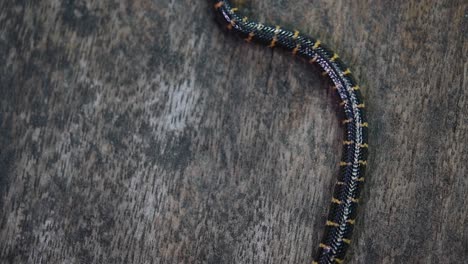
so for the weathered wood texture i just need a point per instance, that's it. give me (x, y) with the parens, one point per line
(139, 132)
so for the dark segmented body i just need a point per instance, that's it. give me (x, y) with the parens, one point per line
(340, 223)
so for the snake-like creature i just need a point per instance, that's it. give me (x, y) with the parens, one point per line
(341, 219)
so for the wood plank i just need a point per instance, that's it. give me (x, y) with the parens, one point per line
(139, 132)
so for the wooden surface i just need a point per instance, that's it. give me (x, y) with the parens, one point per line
(139, 132)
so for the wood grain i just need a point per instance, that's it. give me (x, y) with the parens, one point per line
(139, 132)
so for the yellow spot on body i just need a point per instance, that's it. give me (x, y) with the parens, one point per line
(347, 241)
(316, 45)
(351, 221)
(314, 59)
(345, 163)
(323, 246)
(335, 56)
(277, 30)
(361, 179)
(244, 19)
(355, 88)
(331, 223)
(354, 200)
(361, 106)
(365, 124)
(273, 43)
(343, 102)
(315, 262)
(363, 162)
(365, 145)
(347, 71)
(339, 261)
(324, 73)
(231, 25)
(235, 9)
(296, 49)
(250, 37)
(296, 34)
(336, 201)
(346, 142)
(340, 183)
(346, 121)
(219, 4)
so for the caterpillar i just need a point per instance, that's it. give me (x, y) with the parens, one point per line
(342, 213)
